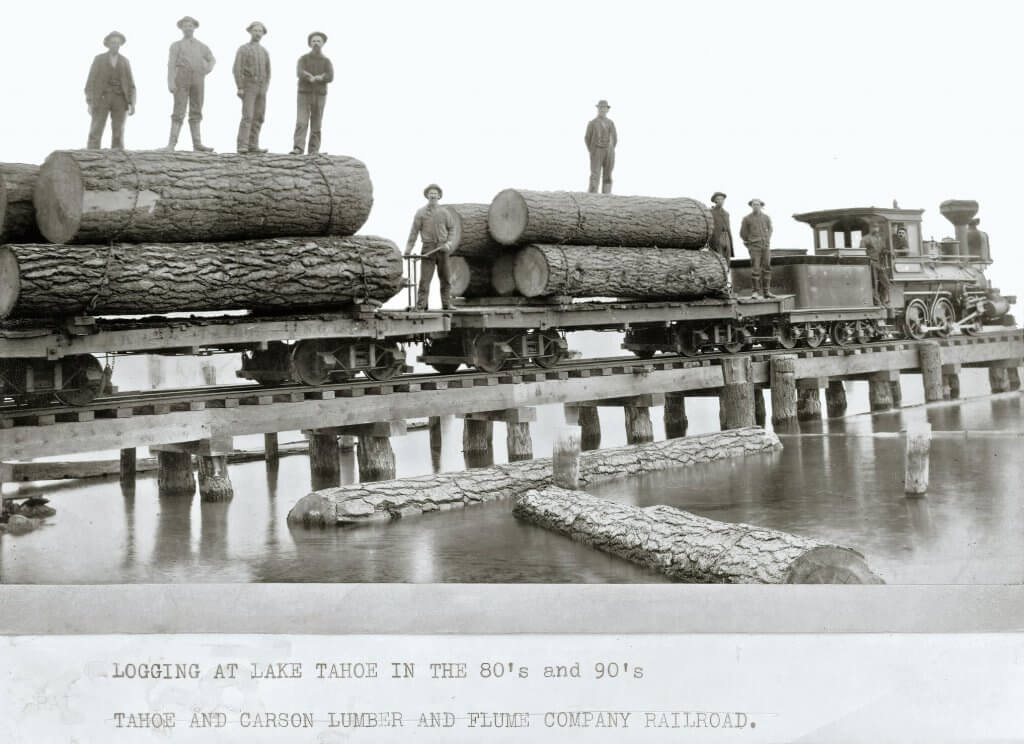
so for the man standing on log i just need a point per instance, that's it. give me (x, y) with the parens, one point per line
(756, 234)
(721, 238)
(315, 72)
(433, 223)
(188, 64)
(601, 139)
(252, 77)
(110, 91)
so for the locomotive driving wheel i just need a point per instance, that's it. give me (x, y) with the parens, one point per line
(943, 317)
(83, 380)
(915, 319)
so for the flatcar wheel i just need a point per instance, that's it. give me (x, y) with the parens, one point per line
(307, 365)
(550, 347)
(388, 361)
(642, 353)
(814, 334)
(686, 342)
(848, 332)
(785, 337)
(83, 380)
(943, 317)
(915, 319)
(487, 353)
(445, 369)
(733, 347)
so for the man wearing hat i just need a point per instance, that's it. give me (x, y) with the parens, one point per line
(188, 64)
(315, 72)
(601, 139)
(110, 91)
(756, 234)
(977, 240)
(252, 77)
(876, 247)
(721, 236)
(433, 224)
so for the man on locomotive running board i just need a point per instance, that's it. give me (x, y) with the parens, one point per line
(315, 72)
(721, 237)
(188, 64)
(877, 249)
(756, 234)
(109, 91)
(433, 224)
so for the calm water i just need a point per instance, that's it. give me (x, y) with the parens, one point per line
(845, 488)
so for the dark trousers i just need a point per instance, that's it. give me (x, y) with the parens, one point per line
(188, 94)
(309, 117)
(760, 266)
(602, 161)
(880, 280)
(114, 105)
(254, 107)
(427, 274)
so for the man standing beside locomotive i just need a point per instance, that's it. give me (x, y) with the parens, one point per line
(315, 72)
(188, 64)
(109, 91)
(756, 234)
(721, 236)
(877, 249)
(601, 140)
(252, 77)
(433, 224)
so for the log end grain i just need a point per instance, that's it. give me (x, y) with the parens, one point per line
(58, 198)
(503, 280)
(530, 272)
(831, 564)
(10, 281)
(508, 217)
(459, 275)
(455, 234)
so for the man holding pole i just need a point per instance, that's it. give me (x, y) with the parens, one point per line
(433, 224)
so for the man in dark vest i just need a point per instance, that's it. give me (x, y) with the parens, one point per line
(721, 235)
(252, 77)
(880, 258)
(188, 64)
(315, 72)
(601, 139)
(110, 91)
(433, 224)
(756, 234)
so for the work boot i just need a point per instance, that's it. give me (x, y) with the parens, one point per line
(172, 140)
(197, 140)
(606, 188)
(254, 148)
(767, 290)
(296, 151)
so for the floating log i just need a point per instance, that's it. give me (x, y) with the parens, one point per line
(690, 548)
(472, 239)
(470, 277)
(359, 503)
(590, 271)
(516, 217)
(268, 275)
(98, 196)
(17, 215)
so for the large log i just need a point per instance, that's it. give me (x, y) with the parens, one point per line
(99, 196)
(470, 277)
(516, 217)
(690, 548)
(591, 271)
(17, 215)
(364, 502)
(269, 275)
(472, 238)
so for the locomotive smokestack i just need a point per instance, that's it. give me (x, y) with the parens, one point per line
(959, 212)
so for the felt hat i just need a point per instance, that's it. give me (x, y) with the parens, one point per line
(321, 34)
(755, 199)
(433, 186)
(188, 18)
(604, 103)
(718, 193)
(257, 23)
(111, 35)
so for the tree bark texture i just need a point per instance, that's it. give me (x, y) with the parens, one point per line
(639, 428)
(472, 238)
(648, 273)
(675, 415)
(98, 196)
(362, 502)
(470, 277)
(281, 274)
(174, 474)
(690, 548)
(590, 428)
(324, 460)
(879, 395)
(478, 443)
(808, 407)
(998, 380)
(17, 214)
(516, 217)
(518, 442)
(565, 458)
(835, 399)
(930, 358)
(376, 458)
(916, 458)
(214, 480)
(783, 382)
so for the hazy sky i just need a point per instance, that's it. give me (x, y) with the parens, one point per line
(806, 105)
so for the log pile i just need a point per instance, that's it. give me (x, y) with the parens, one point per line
(17, 215)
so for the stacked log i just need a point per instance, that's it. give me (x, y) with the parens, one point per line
(470, 277)
(475, 254)
(17, 215)
(472, 239)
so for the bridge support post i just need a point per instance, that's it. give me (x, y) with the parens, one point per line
(434, 431)
(128, 472)
(517, 425)
(783, 384)
(736, 399)
(637, 412)
(835, 399)
(759, 410)
(174, 475)
(587, 418)
(919, 439)
(675, 415)
(214, 481)
(565, 459)
(808, 406)
(930, 359)
(896, 391)
(639, 429)
(998, 379)
(175, 468)
(1013, 377)
(880, 391)
(208, 371)
(375, 457)
(478, 443)
(271, 452)
(324, 462)
(950, 381)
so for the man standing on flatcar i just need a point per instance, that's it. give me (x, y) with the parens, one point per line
(721, 236)
(756, 234)
(433, 224)
(879, 256)
(601, 140)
